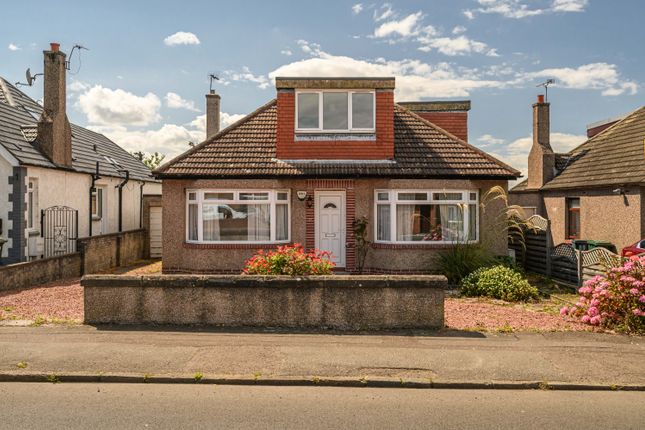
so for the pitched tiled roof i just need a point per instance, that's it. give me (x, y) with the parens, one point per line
(248, 149)
(18, 132)
(614, 156)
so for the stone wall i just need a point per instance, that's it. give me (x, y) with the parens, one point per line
(25, 275)
(112, 250)
(338, 302)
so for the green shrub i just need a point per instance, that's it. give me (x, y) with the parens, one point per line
(461, 259)
(498, 282)
(291, 260)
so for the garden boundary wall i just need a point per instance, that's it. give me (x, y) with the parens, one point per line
(337, 301)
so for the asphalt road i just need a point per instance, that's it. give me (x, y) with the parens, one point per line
(123, 406)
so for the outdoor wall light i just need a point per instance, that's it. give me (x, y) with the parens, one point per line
(301, 195)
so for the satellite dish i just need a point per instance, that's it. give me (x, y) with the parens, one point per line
(31, 78)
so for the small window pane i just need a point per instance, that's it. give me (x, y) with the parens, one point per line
(362, 110)
(218, 196)
(192, 222)
(335, 111)
(472, 222)
(383, 222)
(413, 196)
(247, 222)
(283, 196)
(308, 110)
(425, 222)
(254, 196)
(192, 196)
(447, 196)
(383, 196)
(473, 197)
(282, 222)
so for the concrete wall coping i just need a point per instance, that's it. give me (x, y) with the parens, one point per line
(115, 234)
(246, 281)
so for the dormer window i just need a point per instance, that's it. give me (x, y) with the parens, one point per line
(335, 111)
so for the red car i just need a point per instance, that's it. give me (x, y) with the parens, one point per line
(635, 249)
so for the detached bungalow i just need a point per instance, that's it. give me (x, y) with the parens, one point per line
(594, 192)
(304, 166)
(59, 181)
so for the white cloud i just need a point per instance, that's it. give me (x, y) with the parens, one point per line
(181, 38)
(594, 76)
(13, 47)
(287, 52)
(459, 29)
(174, 101)
(78, 86)
(169, 139)
(460, 45)
(404, 27)
(569, 5)
(246, 76)
(105, 106)
(488, 140)
(357, 8)
(384, 12)
(517, 9)
(415, 79)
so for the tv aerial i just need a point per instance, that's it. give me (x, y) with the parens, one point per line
(30, 79)
(212, 77)
(68, 63)
(546, 84)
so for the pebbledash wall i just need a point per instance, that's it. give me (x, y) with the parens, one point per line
(337, 302)
(95, 254)
(182, 257)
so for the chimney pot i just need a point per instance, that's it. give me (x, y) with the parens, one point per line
(54, 46)
(540, 98)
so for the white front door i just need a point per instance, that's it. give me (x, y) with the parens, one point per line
(330, 224)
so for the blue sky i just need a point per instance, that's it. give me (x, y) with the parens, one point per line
(143, 80)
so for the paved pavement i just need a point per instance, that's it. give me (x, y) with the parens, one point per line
(159, 406)
(445, 357)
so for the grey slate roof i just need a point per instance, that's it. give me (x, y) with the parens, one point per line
(247, 149)
(18, 121)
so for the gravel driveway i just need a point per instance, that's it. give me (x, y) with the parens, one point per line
(62, 302)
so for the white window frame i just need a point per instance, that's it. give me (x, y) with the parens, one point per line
(32, 204)
(350, 128)
(393, 200)
(97, 193)
(272, 201)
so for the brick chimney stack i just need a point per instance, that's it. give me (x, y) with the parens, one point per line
(212, 113)
(541, 157)
(54, 131)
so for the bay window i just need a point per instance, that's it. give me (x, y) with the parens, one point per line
(335, 111)
(426, 216)
(214, 216)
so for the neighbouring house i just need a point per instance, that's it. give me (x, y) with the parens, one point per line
(59, 181)
(326, 151)
(597, 190)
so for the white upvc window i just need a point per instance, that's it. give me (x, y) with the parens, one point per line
(97, 203)
(335, 111)
(426, 216)
(238, 216)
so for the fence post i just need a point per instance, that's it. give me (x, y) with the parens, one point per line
(580, 267)
(549, 245)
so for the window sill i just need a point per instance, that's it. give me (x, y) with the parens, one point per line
(191, 245)
(326, 136)
(422, 245)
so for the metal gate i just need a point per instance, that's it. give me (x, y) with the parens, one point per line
(59, 229)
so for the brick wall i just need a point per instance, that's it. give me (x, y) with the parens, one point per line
(453, 122)
(288, 148)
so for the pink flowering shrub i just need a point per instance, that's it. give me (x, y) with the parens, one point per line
(291, 260)
(615, 300)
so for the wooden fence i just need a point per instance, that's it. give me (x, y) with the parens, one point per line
(562, 262)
